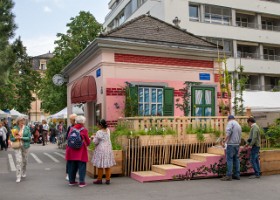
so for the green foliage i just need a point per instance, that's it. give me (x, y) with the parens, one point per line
(239, 83)
(245, 128)
(185, 106)
(131, 101)
(199, 131)
(82, 30)
(7, 28)
(22, 83)
(273, 134)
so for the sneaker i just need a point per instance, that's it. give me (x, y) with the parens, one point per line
(236, 177)
(73, 183)
(226, 178)
(254, 176)
(67, 177)
(18, 180)
(107, 182)
(81, 185)
(23, 175)
(97, 182)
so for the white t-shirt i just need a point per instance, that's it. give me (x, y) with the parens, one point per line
(3, 132)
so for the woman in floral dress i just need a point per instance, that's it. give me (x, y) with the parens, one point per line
(103, 157)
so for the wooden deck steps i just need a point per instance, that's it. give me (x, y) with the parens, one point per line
(179, 166)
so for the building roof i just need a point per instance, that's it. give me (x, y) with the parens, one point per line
(46, 55)
(148, 28)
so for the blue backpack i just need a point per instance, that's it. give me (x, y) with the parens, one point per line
(75, 140)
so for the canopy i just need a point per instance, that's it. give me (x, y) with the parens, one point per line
(262, 101)
(3, 114)
(60, 115)
(63, 113)
(15, 114)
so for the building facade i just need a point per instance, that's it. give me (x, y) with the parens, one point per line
(39, 63)
(140, 69)
(248, 30)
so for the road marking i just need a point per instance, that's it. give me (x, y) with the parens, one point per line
(51, 157)
(59, 154)
(12, 163)
(36, 158)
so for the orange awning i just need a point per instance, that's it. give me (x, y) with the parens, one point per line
(84, 90)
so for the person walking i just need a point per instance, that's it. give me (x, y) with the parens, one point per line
(45, 132)
(72, 118)
(232, 141)
(254, 142)
(36, 133)
(3, 135)
(5, 123)
(77, 158)
(21, 133)
(103, 157)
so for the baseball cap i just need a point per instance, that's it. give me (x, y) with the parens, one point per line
(230, 117)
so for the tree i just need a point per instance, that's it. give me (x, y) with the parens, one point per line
(7, 28)
(82, 30)
(22, 81)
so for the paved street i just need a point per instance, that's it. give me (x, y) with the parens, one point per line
(46, 180)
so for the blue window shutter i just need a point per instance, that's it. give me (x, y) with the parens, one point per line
(168, 102)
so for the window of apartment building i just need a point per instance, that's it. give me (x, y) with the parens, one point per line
(267, 25)
(194, 12)
(242, 21)
(119, 19)
(140, 2)
(217, 15)
(226, 44)
(269, 54)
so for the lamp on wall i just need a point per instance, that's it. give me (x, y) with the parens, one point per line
(117, 106)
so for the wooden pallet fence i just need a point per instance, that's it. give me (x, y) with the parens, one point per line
(141, 158)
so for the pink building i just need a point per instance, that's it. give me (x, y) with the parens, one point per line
(139, 69)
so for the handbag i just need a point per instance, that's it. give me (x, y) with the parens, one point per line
(16, 144)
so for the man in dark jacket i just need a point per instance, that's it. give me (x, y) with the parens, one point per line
(8, 132)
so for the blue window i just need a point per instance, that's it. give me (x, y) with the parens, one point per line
(150, 101)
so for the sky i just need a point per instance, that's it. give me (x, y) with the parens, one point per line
(39, 21)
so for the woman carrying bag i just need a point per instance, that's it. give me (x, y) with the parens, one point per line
(20, 138)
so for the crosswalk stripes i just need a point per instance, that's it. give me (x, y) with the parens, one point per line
(51, 157)
(59, 154)
(12, 166)
(36, 158)
(12, 163)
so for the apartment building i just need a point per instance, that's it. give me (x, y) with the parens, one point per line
(39, 63)
(249, 31)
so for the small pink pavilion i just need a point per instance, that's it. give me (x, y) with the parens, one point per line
(152, 60)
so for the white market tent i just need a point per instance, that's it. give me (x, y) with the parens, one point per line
(63, 113)
(3, 114)
(15, 114)
(262, 101)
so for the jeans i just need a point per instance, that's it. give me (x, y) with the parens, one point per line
(232, 159)
(254, 158)
(2, 143)
(73, 167)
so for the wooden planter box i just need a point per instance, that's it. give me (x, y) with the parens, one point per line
(270, 162)
(117, 169)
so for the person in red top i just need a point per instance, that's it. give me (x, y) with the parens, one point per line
(78, 158)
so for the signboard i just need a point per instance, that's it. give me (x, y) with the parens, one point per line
(204, 76)
(98, 72)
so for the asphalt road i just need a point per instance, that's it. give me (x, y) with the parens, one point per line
(46, 181)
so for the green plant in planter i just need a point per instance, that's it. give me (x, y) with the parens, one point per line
(273, 134)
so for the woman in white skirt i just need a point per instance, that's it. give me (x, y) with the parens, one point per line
(103, 157)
